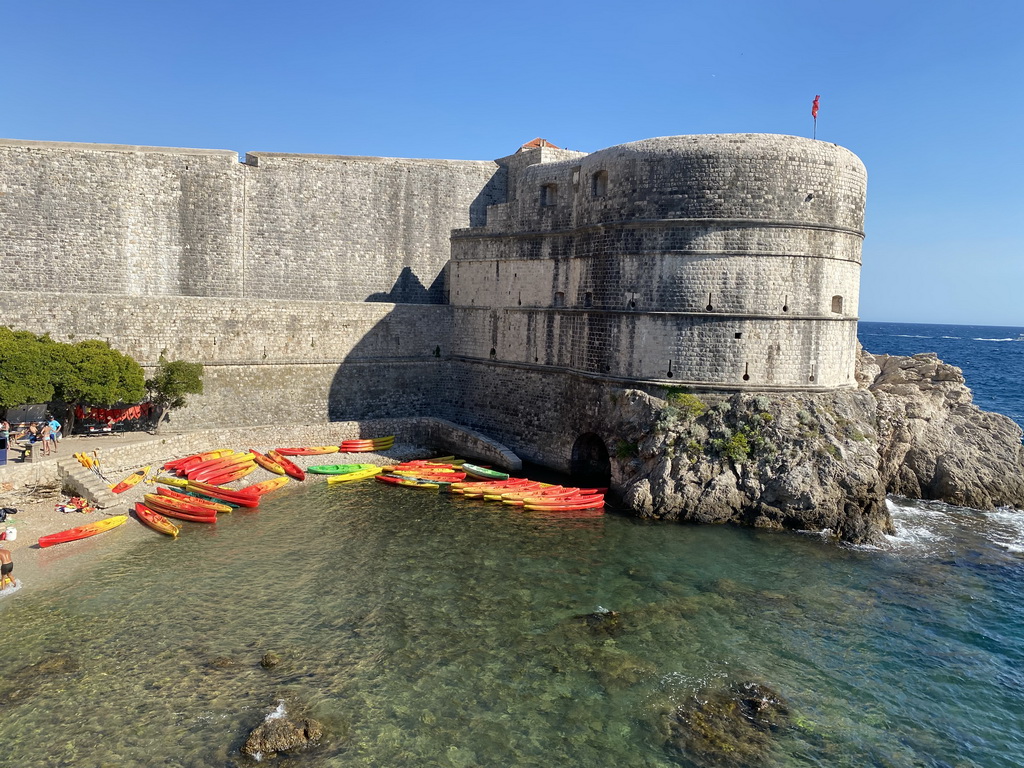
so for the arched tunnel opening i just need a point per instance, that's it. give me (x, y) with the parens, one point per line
(590, 465)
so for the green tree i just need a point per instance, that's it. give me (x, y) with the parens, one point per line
(174, 379)
(25, 368)
(92, 373)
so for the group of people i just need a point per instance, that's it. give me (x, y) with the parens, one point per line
(47, 432)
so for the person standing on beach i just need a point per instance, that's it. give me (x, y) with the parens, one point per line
(6, 570)
(55, 432)
(44, 434)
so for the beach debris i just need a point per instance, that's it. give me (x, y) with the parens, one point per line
(730, 726)
(75, 504)
(281, 732)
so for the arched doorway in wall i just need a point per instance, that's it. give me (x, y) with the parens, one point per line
(591, 466)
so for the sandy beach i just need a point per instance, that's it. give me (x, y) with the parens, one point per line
(39, 508)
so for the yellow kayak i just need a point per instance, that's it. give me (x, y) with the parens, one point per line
(180, 482)
(362, 474)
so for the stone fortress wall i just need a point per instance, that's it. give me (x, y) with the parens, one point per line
(507, 296)
(729, 261)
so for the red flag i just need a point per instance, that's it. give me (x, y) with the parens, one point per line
(814, 108)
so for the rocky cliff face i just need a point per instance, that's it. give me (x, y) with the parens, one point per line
(818, 461)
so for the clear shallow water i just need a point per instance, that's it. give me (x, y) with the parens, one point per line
(431, 630)
(434, 631)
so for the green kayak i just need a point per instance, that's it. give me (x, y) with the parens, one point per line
(487, 474)
(338, 469)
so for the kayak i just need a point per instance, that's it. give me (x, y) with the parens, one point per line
(597, 503)
(129, 482)
(265, 486)
(182, 465)
(155, 520)
(266, 462)
(362, 474)
(178, 514)
(290, 467)
(160, 503)
(228, 475)
(488, 474)
(337, 469)
(308, 451)
(180, 482)
(365, 446)
(82, 531)
(213, 506)
(202, 472)
(238, 498)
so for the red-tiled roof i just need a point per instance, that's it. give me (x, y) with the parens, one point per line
(538, 142)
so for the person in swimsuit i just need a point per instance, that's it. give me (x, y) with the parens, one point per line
(6, 569)
(44, 435)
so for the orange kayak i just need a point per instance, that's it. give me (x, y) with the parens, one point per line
(161, 503)
(290, 467)
(179, 514)
(82, 531)
(266, 462)
(265, 486)
(155, 520)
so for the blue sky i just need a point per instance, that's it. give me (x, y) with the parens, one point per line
(929, 95)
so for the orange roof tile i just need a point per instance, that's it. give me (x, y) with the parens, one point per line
(538, 142)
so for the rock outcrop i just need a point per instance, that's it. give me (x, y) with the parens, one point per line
(817, 461)
(282, 733)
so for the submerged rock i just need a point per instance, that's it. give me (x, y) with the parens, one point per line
(730, 726)
(281, 732)
(817, 461)
(602, 622)
(270, 660)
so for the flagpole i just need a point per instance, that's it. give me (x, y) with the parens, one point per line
(814, 135)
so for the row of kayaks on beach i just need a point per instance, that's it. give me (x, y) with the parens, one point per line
(195, 490)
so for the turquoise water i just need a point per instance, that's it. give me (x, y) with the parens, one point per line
(425, 629)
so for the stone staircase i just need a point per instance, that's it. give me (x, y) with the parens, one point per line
(85, 483)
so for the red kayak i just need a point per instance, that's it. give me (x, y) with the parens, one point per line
(82, 531)
(229, 475)
(290, 467)
(238, 498)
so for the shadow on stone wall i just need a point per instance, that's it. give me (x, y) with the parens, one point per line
(397, 368)
(495, 191)
(409, 289)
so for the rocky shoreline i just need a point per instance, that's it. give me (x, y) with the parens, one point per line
(819, 461)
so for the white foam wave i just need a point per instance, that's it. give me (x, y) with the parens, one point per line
(278, 713)
(997, 339)
(11, 590)
(950, 337)
(910, 336)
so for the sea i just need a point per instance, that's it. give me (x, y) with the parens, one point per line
(426, 629)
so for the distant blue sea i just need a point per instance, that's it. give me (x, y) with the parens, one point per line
(991, 356)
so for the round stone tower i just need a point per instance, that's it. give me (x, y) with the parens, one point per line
(724, 261)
